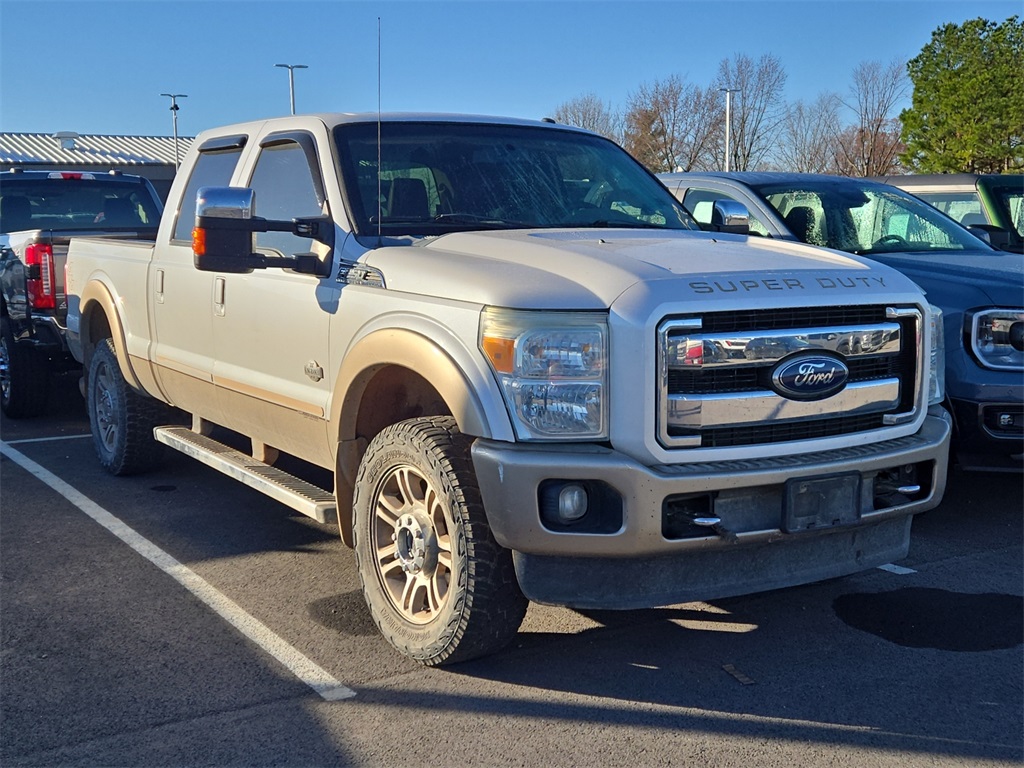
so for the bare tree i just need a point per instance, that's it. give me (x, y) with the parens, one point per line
(670, 125)
(588, 111)
(757, 109)
(808, 136)
(872, 146)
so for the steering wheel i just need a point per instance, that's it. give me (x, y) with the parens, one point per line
(890, 240)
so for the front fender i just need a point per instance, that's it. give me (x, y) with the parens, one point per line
(406, 349)
(375, 352)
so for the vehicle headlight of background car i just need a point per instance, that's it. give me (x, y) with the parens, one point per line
(997, 338)
(553, 371)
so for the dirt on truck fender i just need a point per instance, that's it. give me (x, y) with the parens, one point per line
(527, 372)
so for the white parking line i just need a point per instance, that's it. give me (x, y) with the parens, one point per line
(303, 668)
(899, 570)
(47, 439)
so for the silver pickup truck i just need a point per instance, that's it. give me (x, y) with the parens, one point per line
(527, 371)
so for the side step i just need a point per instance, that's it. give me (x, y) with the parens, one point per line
(301, 496)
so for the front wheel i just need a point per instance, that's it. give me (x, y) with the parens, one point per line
(122, 419)
(439, 587)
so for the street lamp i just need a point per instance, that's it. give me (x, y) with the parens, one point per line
(728, 122)
(174, 119)
(291, 79)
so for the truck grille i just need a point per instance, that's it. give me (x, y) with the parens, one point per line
(720, 374)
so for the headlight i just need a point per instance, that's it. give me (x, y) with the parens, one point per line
(937, 359)
(553, 371)
(997, 338)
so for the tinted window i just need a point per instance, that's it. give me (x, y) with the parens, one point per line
(1011, 200)
(285, 189)
(78, 204)
(212, 169)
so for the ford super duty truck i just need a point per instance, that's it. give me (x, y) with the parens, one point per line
(529, 374)
(39, 213)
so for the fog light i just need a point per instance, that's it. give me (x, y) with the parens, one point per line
(572, 503)
(1005, 420)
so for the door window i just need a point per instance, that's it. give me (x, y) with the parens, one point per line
(212, 169)
(701, 203)
(285, 188)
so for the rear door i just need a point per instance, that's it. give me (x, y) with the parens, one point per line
(182, 297)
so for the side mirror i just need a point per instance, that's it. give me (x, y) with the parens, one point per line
(223, 238)
(730, 216)
(995, 236)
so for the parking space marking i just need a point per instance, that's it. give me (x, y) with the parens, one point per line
(298, 664)
(47, 439)
(899, 570)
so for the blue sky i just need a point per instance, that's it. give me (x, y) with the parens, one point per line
(100, 67)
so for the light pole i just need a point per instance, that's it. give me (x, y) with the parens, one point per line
(174, 119)
(291, 79)
(728, 122)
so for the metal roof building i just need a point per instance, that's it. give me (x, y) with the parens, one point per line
(149, 156)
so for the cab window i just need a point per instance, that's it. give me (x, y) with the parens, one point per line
(212, 169)
(285, 188)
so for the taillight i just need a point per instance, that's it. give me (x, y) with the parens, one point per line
(70, 175)
(42, 290)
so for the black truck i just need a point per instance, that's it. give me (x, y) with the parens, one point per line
(39, 212)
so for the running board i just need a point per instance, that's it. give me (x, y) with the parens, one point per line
(298, 494)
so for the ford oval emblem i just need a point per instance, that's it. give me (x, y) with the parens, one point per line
(809, 377)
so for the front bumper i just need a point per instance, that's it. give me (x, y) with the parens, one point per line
(990, 435)
(749, 552)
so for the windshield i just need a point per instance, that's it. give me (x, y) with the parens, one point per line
(437, 178)
(863, 217)
(75, 204)
(1010, 198)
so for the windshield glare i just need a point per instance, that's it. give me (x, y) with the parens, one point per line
(865, 218)
(437, 178)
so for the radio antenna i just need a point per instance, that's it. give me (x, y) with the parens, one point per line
(380, 213)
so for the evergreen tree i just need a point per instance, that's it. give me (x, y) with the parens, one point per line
(967, 110)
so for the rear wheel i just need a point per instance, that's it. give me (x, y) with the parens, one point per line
(438, 585)
(122, 419)
(24, 376)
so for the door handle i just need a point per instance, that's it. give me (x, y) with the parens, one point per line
(218, 296)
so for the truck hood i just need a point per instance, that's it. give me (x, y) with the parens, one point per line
(589, 269)
(995, 275)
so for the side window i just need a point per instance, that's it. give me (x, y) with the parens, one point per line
(212, 169)
(285, 189)
(701, 202)
(965, 207)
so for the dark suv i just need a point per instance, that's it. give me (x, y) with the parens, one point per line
(979, 289)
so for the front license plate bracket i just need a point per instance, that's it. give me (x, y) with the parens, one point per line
(821, 502)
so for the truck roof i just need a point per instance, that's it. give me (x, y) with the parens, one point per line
(332, 119)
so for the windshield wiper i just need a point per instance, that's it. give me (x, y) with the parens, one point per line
(617, 224)
(487, 222)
